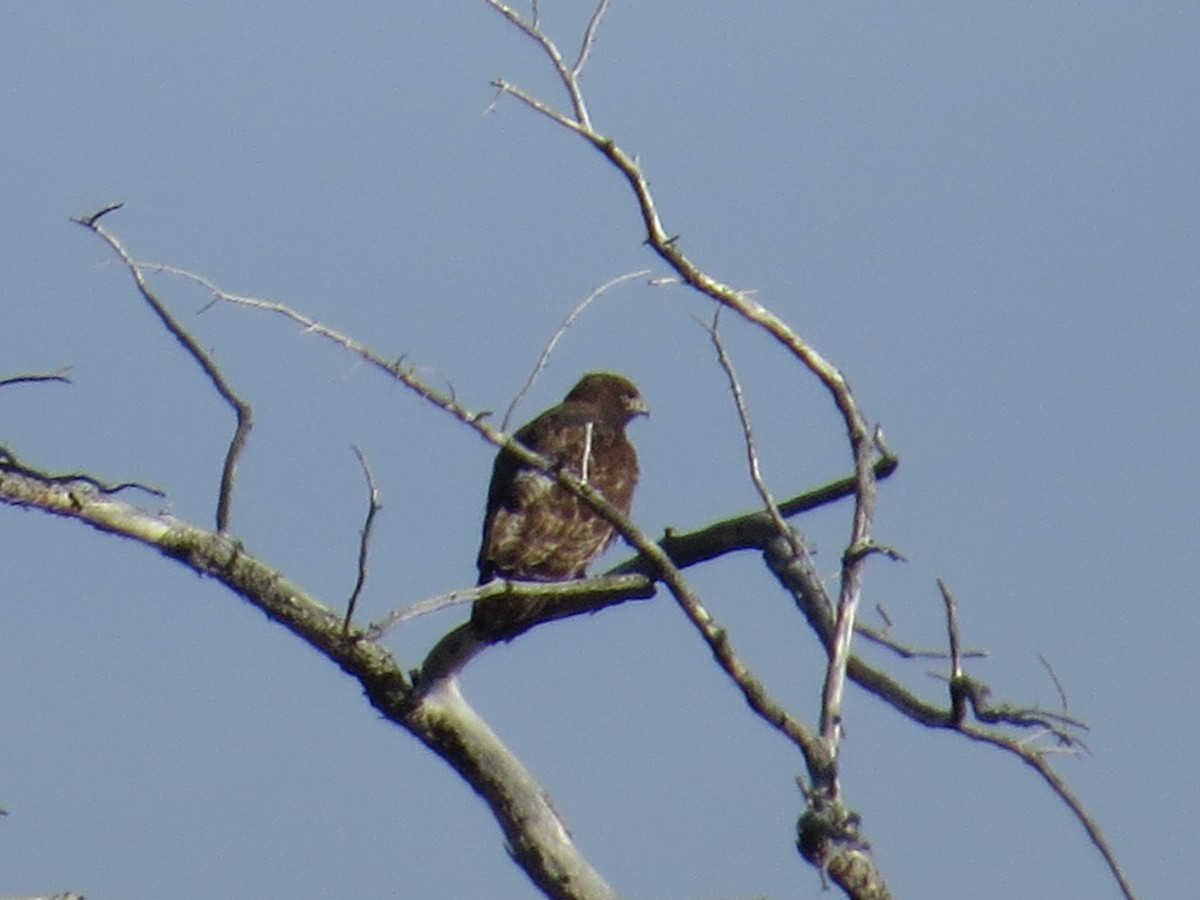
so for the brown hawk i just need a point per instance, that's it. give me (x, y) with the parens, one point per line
(537, 530)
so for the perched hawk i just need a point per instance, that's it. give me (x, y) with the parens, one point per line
(534, 528)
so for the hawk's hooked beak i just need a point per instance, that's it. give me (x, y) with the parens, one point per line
(637, 406)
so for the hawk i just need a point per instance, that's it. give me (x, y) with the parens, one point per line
(534, 528)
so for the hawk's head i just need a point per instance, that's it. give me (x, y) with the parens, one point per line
(615, 396)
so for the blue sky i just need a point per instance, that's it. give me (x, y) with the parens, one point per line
(985, 214)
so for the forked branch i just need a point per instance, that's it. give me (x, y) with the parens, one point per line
(241, 408)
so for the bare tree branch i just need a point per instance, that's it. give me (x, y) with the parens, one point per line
(589, 39)
(364, 544)
(1058, 685)
(397, 617)
(31, 377)
(958, 698)
(440, 719)
(877, 636)
(8, 460)
(797, 574)
(1036, 760)
(240, 408)
(747, 531)
(735, 388)
(571, 598)
(568, 76)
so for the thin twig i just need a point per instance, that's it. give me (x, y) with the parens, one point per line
(29, 377)
(1058, 686)
(1061, 725)
(739, 399)
(1036, 760)
(568, 79)
(504, 87)
(559, 332)
(8, 460)
(569, 598)
(240, 408)
(364, 544)
(958, 695)
(397, 617)
(877, 636)
(589, 39)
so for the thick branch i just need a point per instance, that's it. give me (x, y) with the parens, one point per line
(442, 721)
